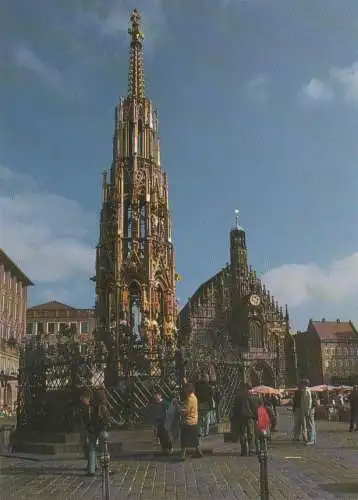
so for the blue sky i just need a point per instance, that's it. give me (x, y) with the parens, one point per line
(258, 109)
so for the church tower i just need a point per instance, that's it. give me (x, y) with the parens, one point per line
(238, 259)
(135, 282)
(239, 286)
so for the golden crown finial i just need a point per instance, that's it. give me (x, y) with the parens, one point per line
(134, 31)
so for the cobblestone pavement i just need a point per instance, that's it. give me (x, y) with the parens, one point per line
(327, 471)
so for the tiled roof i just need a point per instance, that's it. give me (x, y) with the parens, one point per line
(52, 305)
(334, 331)
(15, 270)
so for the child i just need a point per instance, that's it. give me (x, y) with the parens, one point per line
(159, 414)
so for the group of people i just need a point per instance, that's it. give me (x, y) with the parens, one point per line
(189, 414)
(305, 403)
(250, 415)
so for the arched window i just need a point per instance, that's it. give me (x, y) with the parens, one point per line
(253, 332)
(140, 137)
(135, 313)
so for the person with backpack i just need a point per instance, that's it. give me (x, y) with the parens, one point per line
(244, 416)
(271, 410)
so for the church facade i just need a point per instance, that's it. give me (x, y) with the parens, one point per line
(233, 325)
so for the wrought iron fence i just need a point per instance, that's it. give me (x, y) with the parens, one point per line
(225, 371)
(52, 377)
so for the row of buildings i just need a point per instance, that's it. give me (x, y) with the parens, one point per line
(231, 320)
(18, 322)
(327, 352)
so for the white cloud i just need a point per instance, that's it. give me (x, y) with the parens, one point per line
(299, 284)
(26, 59)
(317, 90)
(340, 82)
(46, 234)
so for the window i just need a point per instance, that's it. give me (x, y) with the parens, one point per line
(63, 328)
(51, 328)
(40, 328)
(84, 327)
(73, 327)
(30, 330)
(142, 222)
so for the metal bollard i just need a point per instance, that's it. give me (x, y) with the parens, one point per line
(105, 460)
(263, 456)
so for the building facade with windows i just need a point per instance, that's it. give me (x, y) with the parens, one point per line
(13, 306)
(50, 319)
(327, 352)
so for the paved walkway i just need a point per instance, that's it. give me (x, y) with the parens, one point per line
(327, 471)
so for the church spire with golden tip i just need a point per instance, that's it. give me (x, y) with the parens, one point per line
(136, 66)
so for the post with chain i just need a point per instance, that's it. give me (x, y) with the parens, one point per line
(263, 457)
(105, 463)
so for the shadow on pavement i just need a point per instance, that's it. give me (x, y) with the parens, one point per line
(341, 488)
(48, 471)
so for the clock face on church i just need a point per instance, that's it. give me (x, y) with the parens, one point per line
(255, 300)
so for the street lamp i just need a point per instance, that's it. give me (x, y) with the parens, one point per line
(262, 457)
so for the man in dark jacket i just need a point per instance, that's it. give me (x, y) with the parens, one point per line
(353, 403)
(205, 396)
(158, 414)
(243, 417)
